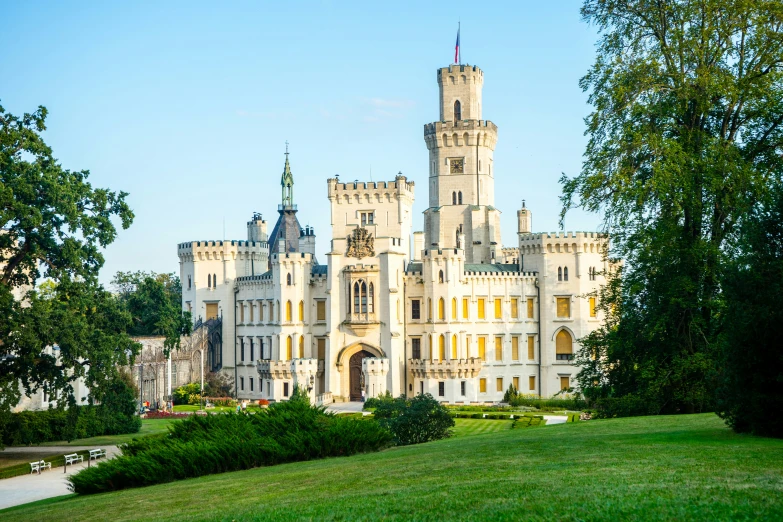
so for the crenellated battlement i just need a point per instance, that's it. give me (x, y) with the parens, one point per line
(372, 191)
(562, 242)
(211, 250)
(287, 258)
(454, 73)
(438, 127)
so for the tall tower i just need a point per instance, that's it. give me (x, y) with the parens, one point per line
(462, 183)
(287, 231)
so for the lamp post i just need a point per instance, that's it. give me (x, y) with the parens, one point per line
(311, 387)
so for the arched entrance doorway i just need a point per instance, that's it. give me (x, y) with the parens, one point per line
(355, 373)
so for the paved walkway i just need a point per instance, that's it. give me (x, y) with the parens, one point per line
(346, 407)
(555, 419)
(50, 483)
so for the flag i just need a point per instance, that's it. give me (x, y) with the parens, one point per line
(456, 49)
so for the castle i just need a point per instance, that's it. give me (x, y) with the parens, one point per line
(456, 315)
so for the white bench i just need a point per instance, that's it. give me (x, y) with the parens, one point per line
(73, 458)
(39, 466)
(97, 453)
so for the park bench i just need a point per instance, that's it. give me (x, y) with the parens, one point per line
(39, 466)
(97, 453)
(73, 458)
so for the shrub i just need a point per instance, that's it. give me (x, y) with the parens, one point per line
(416, 420)
(572, 403)
(182, 394)
(373, 402)
(200, 445)
(627, 406)
(263, 402)
(221, 401)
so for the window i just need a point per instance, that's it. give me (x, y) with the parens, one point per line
(212, 311)
(515, 308)
(271, 311)
(189, 283)
(442, 348)
(242, 350)
(252, 351)
(301, 347)
(301, 311)
(592, 306)
(482, 352)
(516, 383)
(465, 307)
(360, 300)
(173, 374)
(368, 218)
(454, 346)
(440, 276)
(453, 198)
(483, 385)
(242, 383)
(462, 388)
(531, 347)
(251, 384)
(241, 312)
(563, 307)
(564, 346)
(565, 274)
(209, 280)
(560, 273)
(459, 202)
(214, 280)
(441, 389)
(457, 111)
(288, 311)
(321, 349)
(441, 309)
(289, 348)
(467, 347)
(565, 383)
(415, 348)
(429, 309)
(530, 308)
(531, 382)
(371, 303)
(453, 308)
(288, 279)
(515, 348)
(481, 309)
(320, 310)
(251, 311)
(415, 309)
(285, 389)
(499, 384)
(498, 348)
(429, 346)
(498, 309)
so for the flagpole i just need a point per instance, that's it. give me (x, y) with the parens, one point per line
(459, 49)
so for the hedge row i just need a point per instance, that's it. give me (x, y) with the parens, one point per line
(527, 422)
(201, 445)
(24, 469)
(78, 422)
(549, 404)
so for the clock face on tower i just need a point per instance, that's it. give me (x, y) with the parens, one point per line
(457, 166)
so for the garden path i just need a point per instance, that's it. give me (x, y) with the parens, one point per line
(555, 419)
(51, 483)
(346, 407)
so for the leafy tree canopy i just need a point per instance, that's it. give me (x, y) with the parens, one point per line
(685, 138)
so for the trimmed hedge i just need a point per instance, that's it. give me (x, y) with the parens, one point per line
(78, 422)
(202, 445)
(549, 404)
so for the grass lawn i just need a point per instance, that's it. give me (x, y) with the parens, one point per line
(148, 427)
(664, 468)
(467, 427)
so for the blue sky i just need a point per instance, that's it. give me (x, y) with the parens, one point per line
(187, 105)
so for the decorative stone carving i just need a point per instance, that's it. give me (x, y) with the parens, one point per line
(361, 243)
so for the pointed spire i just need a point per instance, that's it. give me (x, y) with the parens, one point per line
(287, 181)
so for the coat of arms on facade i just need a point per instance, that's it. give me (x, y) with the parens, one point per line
(361, 243)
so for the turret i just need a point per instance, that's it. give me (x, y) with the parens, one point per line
(256, 228)
(525, 220)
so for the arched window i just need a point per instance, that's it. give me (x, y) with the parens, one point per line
(288, 311)
(356, 297)
(429, 309)
(459, 197)
(454, 346)
(457, 241)
(564, 346)
(453, 198)
(454, 308)
(560, 273)
(441, 309)
(288, 279)
(209, 280)
(301, 311)
(429, 346)
(440, 276)
(278, 311)
(371, 299)
(364, 297)
(565, 274)
(214, 280)
(457, 111)
(442, 347)
(301, 346)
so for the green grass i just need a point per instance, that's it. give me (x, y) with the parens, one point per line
(148, 427)
(468, 427)
(644, 468)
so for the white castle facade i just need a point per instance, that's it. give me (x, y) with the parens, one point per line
(456, 315)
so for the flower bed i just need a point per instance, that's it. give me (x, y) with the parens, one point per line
(165, 415)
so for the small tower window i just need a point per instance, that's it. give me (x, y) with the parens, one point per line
(209, 280)
(459, 197)
(560, 273)
(189, 283)
(565, 274)
(440, 276)
(288, 279)
(214, 280)
(453, 198)
(457, 111)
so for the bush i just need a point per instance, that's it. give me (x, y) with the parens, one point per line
(182, 394)
(200, 445)
(627, 406)
(416, 420)
(221, 401)
(575, 403)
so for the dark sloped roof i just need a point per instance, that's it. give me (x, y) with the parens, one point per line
(491, 267)
(320, 269)
(413, 267)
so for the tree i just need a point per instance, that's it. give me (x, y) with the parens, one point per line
(416, 420)
(154, 302)
(750, 360)
(684, 139)
(53, 224)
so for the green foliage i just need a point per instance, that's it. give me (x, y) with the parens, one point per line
(155, 304)
(200, 445)
(510, 394)
(373, 402)
(183, 393)
(54, 225)
(24, 469)
(416, 420)
(684, 140)
(574, 403)
(750, 359)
